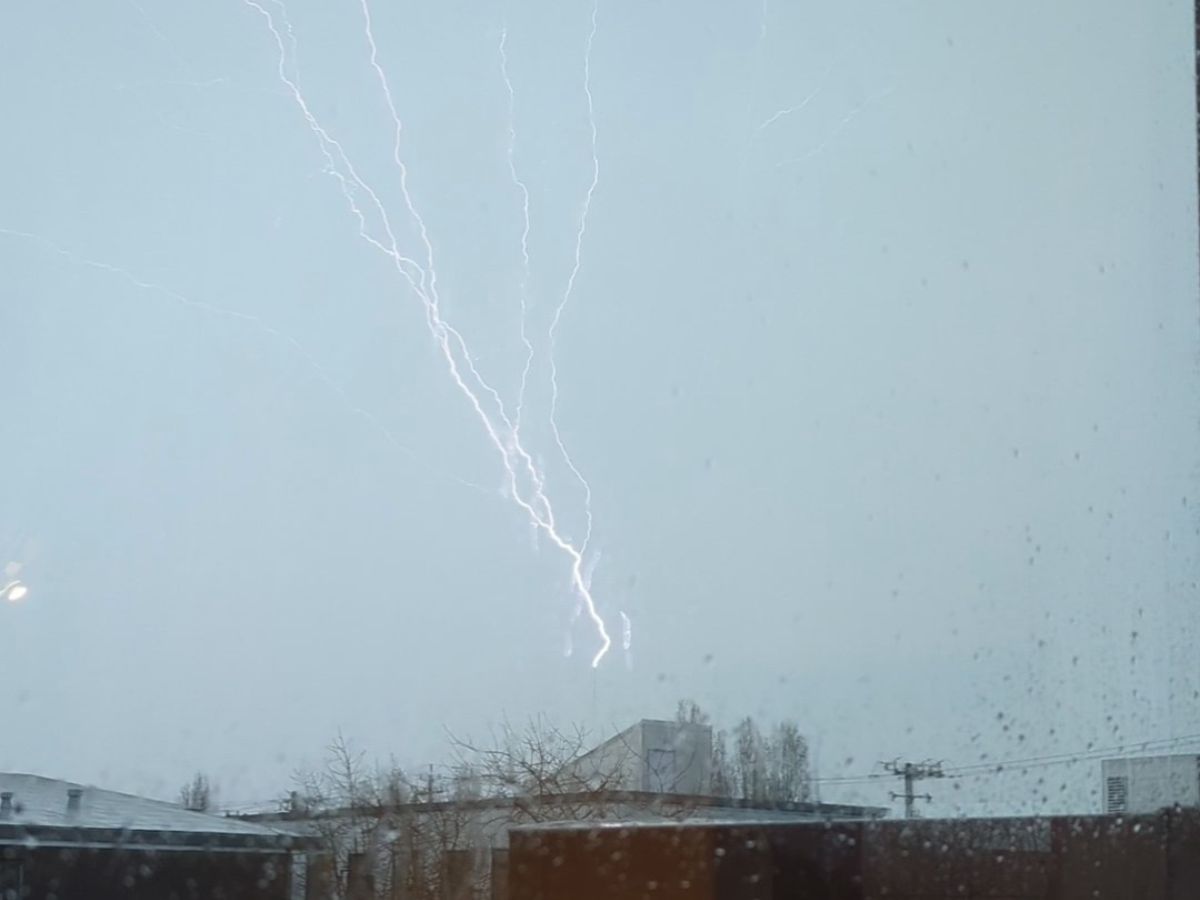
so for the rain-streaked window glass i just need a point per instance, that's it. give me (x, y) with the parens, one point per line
(517, 449)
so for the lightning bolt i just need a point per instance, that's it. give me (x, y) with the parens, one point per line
(627, 639)
(427, 292)
(566, 297)
(786, 112)
(523, 190)
(528, 493)
(589, 572)
(534, 471)
(252, 321)
(790, 110)
(837, 129)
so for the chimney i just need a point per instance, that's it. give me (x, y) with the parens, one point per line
(73, 796)
(6, 804)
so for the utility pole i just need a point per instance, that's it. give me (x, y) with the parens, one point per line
(912, 773)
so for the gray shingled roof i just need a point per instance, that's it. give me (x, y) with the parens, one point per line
(39, 802)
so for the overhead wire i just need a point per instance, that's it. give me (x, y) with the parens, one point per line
(971, 770)
(1002, 766)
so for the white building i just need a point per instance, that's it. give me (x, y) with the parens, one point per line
(1145, 784)
(654, 756)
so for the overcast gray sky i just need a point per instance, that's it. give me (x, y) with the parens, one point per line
(880, 362)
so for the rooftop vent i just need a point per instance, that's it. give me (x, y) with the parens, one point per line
(6, 804)
(73, 796)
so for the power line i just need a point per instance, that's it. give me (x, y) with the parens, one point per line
(1091, 753)
(970, 770)
(999, 766)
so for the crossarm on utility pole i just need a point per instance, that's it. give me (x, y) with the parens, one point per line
(912, 773)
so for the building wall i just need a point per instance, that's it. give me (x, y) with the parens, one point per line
(1154, 857)
(676, 758)
(652, 755)
(447, 850)
(108, 874)
(1150, 783)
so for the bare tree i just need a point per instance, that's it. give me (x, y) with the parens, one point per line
(429, 837)
(549, 772)
(688, 712)
(764, 768)
(722, 768)
(383, 831)
(198, 794)
(788, 778)
(343, 801)
(750, 761)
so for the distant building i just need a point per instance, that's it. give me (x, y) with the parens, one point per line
(655, 756)
(1145, 784)
(457, 849)
(73, 842)
(652, 772)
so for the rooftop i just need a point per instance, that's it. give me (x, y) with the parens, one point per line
(48, 809)
(697, 806)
